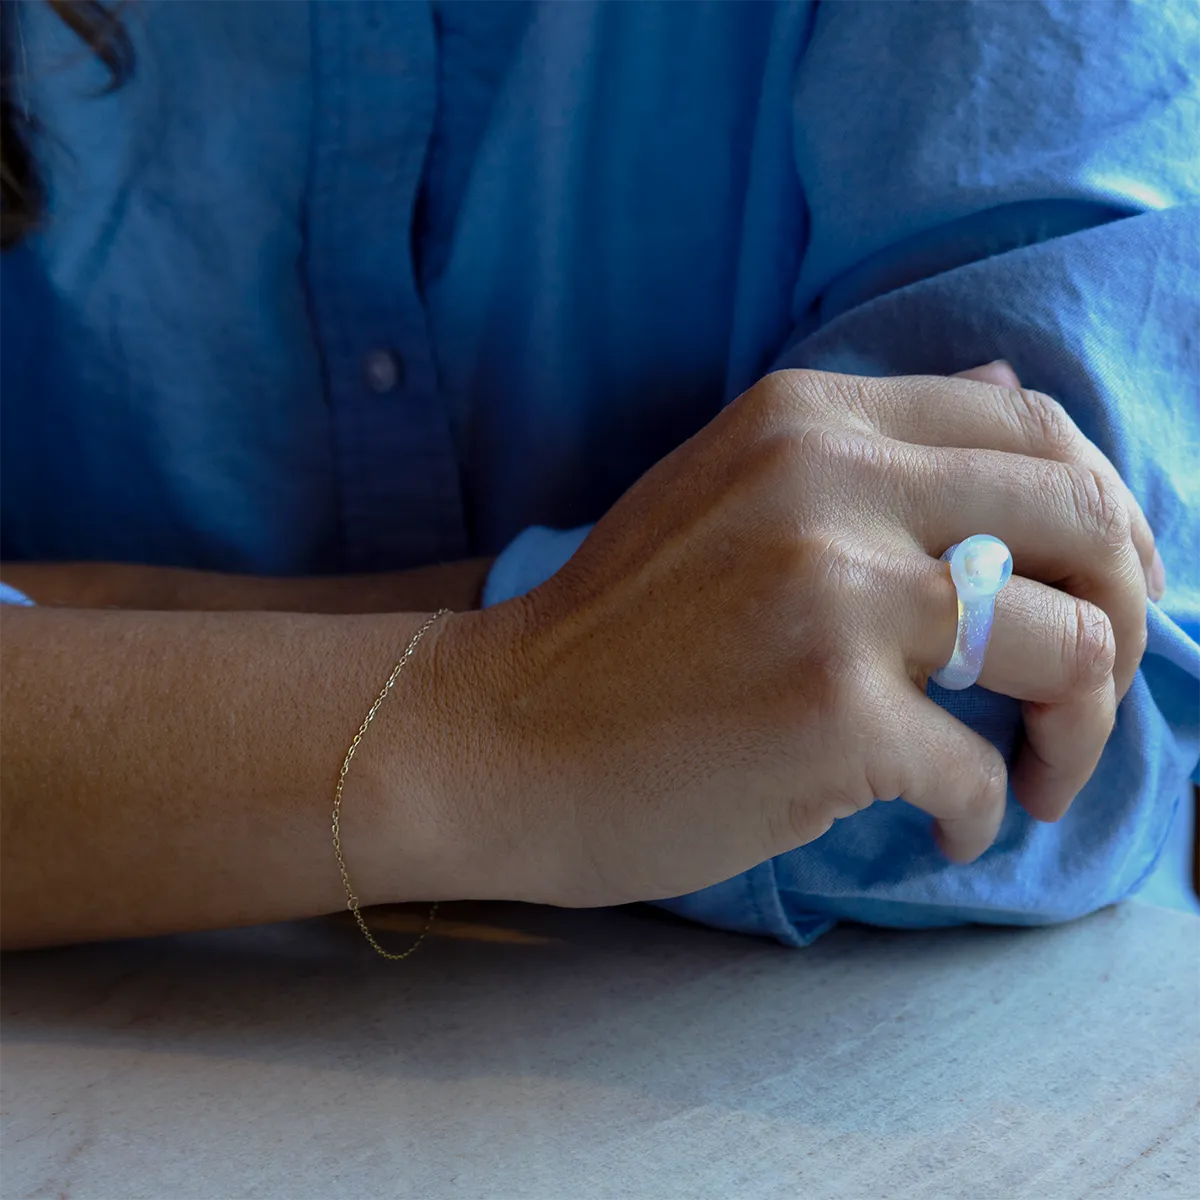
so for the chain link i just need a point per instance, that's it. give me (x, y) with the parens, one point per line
(351, 897)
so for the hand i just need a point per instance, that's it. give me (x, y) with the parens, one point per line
(1001, 374)
(738, 654)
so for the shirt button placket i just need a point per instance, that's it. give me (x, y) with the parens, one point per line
(397, 471)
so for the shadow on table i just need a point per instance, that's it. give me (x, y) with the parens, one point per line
(623, 997)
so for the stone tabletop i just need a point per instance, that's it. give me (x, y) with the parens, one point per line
(554, 1055)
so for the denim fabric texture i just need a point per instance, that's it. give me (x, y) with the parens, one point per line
(341, 287)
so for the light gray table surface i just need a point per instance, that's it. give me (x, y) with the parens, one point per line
(555, 1055)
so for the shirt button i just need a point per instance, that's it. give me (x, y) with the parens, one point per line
(382, 371)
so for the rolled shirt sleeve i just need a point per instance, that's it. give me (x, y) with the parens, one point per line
(10, 595)
(1019, 181)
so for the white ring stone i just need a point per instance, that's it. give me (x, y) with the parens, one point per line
(980, 566)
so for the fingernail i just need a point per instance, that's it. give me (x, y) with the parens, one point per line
(1158, 577)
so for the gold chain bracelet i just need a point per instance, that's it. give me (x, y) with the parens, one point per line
(351, 897)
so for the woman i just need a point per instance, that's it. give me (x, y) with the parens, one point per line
(331, 304)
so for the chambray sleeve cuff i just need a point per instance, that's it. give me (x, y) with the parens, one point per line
(1016, 181)
(529, 560)
(10, 595)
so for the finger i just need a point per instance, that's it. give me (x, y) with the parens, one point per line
(1064, 526)
(945, 769)
(1053, 652)
(998, 373)
(970, 414)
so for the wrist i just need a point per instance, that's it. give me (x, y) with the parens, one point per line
(437, 773)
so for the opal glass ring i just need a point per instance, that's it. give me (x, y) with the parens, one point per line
(980, 566)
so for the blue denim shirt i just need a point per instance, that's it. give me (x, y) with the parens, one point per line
(354, 286)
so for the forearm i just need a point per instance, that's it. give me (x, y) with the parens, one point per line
(171, 771)
(128, 586)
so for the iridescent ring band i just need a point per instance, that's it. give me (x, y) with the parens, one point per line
(980, 566)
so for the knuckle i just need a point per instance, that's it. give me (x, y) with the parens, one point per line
(816, 446)
(788, 382)
(770, 404)
(993, 783)
(1101, 507)
(816, 450)
(1090, 646)
(833, 689)
(1141, 637)
(854, 395)
(833, 561)
(850, 577)
(983, 786)
(825, 697)
(884, 779)
(783, 463)
(795, 392)
(805, 393)
(771, 395)
(805, 820)
(1047, 423)
(824, 575)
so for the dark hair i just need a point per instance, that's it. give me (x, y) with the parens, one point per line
(22, 195)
